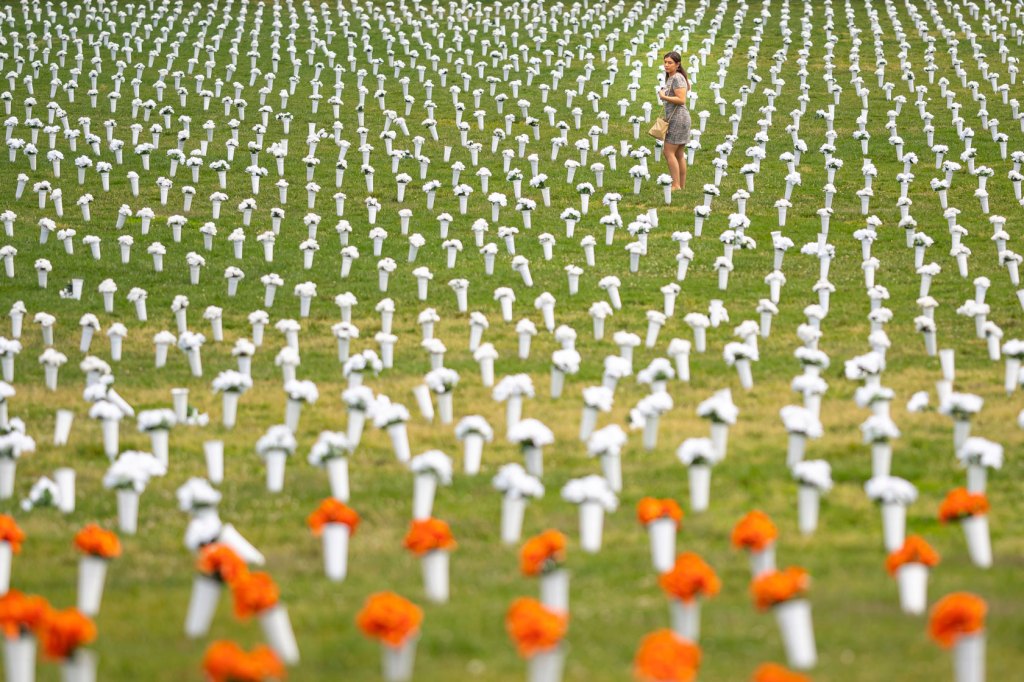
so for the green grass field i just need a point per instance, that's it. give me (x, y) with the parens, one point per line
(862, 635)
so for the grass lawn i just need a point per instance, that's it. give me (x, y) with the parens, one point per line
(615, 599)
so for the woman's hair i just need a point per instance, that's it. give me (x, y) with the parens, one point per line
(674, 56)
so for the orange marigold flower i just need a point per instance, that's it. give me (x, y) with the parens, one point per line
(664, 656)
(542, 553)
(754, 532)
(914, 551)
(254, 593)
(11, 533)
(534, 627)
(94, 540)
(429, 535)
(390, 618)
(959, 613)
(21, 613)
(333, 511)
(775, 587)
(62, 632)
(690, 578)
(651, 509)
(220, 562)
(228, 662)
(773, 672)
(959, 503)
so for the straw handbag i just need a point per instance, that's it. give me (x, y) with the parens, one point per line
(659, 129)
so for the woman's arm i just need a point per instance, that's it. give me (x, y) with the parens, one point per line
(672, 99)
(675, 99)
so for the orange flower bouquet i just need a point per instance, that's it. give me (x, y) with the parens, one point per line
(783, 592)
(216, 566)
(21, 617)
(11, 537)
(756, 533)
(689, 580)
(661, 518)
(958, 621)
(971, 510)
(543, 556)
(395, 621)
(98, 547)
(773, 672)
(538, 632)
(256, 594)
(63, 635)
(664, 656)
(910, 565)
(335, 522)
(228, 662)
(432, 540)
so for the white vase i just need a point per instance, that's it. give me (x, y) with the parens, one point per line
(662, 534)
(435, 575)
(808, 504)
(397, 661)
(979, 543)
(213, 453)
(554, 590)
(969, 658)
(399, 441)
(6, 554)
(546, 666)
(424, 489)
(128, 511)
(202, 605)
(473, 446)
(158, 440)
(80, 666)
(611, 469)
(912, 580)
(685, 616)
(445, 407)
(20, 658)
(797, 631)
(354, 429)
(275, 461)
(894, 525)
(8, 468)
(337, 477)
(533, 459)
(335, 541)
(699, 476)
(591, 526)
(513, 508)
(277, 629)
(762, 561)
(62, 426)
(92, 574)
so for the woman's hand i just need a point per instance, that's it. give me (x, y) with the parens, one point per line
(661, 95)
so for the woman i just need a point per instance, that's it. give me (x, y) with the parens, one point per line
(677, 84)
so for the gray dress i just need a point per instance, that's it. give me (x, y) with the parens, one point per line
(677, 115)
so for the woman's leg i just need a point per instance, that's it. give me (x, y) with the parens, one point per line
(672, 158)
(681, 162)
